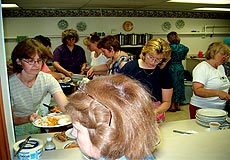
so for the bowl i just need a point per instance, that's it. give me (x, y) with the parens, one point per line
(77, 77)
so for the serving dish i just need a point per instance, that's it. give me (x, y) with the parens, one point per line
(71, 144)
(53, 120)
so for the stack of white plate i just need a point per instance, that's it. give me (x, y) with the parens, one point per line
(206, 115)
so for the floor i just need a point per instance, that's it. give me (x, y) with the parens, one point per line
(179, 115)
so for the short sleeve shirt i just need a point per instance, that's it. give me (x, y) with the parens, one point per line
(27, 100)
(71, 61)
(154, 81)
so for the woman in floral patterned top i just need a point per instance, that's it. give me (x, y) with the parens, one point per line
(110, 46)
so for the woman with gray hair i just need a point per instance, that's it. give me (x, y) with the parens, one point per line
(210, 83)
(69, 58)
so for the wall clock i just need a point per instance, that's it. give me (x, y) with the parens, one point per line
(127, 26)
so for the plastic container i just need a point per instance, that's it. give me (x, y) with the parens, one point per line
(31, 151)
(49, 146)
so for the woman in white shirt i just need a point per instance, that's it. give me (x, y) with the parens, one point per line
(210, 84)
(97, 56)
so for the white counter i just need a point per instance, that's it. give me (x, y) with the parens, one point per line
(204, 145)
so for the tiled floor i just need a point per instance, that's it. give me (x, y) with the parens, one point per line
(179, 115)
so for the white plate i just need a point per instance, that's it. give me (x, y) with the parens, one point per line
(211, 112)
(228, 119)
(63, 120)
(68, 133)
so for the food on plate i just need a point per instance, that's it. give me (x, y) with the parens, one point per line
(52, 120)
(60, 136)
(66, 79)
(71, 145)
(56, 110)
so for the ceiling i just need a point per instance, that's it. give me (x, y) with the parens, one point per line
(109, 4)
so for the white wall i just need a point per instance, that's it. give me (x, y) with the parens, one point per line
(47, 26)
(5, 90)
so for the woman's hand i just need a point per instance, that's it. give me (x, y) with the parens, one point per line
(32, 117)
(90, 72)
(223, 95)
(69, 74)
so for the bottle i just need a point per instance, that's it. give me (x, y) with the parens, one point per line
(49, 144)
(200, 54)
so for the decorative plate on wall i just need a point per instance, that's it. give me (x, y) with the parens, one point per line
(62, 24)
(180, 24)
(166, 26)
(81, 26)
(127, 26)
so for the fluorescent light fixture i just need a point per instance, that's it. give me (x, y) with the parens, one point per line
(213, 9)
(9, 6)
(202, 1)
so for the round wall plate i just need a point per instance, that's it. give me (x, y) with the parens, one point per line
(128, 26)
(166, 26)
(81, 26)
(62, 24)
(180, 24)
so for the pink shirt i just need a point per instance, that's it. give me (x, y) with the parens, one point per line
(45, 68)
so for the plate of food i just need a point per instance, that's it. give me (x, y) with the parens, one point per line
(68, 133)
(65, 80)
(72, 144)
(61, 137)
(53, 120)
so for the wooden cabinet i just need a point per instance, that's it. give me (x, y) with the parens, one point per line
(4, 149)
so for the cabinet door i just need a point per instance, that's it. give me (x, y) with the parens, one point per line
(4, 149)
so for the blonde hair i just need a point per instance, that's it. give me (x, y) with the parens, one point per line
(215, 48)
(157, 46)
(119, 115)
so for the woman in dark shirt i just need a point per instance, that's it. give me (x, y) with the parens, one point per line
(69, 58)
(149, 71)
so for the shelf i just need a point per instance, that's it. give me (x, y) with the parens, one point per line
(131, 46)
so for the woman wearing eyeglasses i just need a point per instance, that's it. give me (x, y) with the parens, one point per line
(210, 83)
(150, 70)
(113, 119)
(29, 86)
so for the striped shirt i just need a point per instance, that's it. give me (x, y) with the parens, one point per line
(27, 100)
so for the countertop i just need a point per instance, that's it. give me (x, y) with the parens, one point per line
(204, 145)
(173, 146)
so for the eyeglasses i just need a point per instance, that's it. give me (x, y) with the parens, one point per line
(33, 62)
(154, 59)
(224, 54)
(81, 89)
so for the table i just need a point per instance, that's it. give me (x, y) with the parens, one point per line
(59, 153)
(204, 145)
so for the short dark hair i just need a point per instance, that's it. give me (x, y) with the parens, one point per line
(44, 40)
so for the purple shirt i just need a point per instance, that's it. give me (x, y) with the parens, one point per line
(71, 61)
